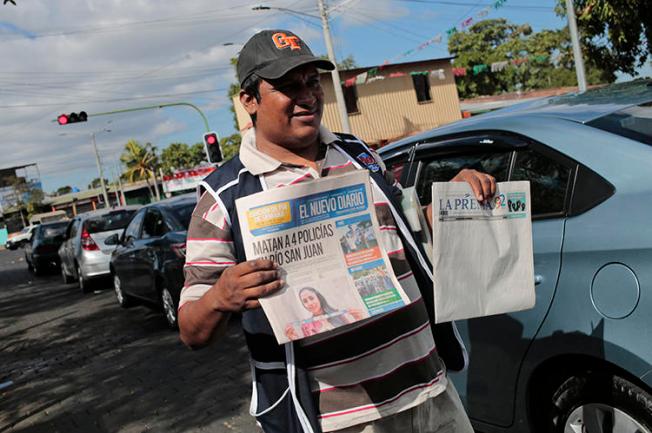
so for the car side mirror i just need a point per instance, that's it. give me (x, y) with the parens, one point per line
(114, 239)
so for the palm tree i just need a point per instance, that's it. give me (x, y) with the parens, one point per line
(141, 164)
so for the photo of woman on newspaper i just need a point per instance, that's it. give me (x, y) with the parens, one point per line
(323, 316)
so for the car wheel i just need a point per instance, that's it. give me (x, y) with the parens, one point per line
(83, 282)
(606, 404)
(37, 269)
(124, 300)
(67, 279)
(168, 308)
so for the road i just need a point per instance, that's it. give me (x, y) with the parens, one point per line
(71, 362)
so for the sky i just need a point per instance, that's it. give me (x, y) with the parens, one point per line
(104, 55)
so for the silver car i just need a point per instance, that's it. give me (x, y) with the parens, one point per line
(83, 254)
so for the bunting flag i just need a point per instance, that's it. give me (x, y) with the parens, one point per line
(376, 78)
(397, 74)
(438, 73)
(498, 66)
(361, 78)
(437, 39)
(459, 72)
(477, 69)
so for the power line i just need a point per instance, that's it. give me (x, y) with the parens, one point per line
(474, 5)
(135, 98)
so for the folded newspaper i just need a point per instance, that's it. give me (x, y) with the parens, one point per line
(324, 236)
(482, 252)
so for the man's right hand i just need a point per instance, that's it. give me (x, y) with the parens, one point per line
(240, 286)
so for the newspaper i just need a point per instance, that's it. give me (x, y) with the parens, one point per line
(482, 252)
(324, 236)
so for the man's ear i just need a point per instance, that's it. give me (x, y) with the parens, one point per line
(249, 102)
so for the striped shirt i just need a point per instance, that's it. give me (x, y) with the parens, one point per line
(361, 372)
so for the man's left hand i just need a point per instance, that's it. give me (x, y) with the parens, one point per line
(482, 184)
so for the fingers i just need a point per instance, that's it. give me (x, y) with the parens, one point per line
(483, 185)
(254, 266)
(258, 278)
(253, 293)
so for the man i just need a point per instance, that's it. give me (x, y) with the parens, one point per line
(384, 374)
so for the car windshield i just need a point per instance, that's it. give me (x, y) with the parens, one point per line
(50, 231)
(183, 213)
(113, 220)
(633, 122)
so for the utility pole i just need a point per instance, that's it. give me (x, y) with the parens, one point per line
(335, 74)
(99, 169)
(577, 50)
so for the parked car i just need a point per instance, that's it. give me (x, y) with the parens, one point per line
(147, 265)
(41, 251)
(83, 254)
(583, 354)
(23, 237)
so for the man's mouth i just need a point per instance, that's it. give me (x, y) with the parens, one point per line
(305, 113)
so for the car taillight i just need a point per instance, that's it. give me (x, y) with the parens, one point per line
(87, 242)
(179, 249)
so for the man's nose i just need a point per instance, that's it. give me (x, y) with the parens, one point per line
(305, 95)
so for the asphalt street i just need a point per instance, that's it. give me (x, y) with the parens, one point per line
(73, 362)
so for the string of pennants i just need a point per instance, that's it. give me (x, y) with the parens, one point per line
(366, 78)
(372, 74)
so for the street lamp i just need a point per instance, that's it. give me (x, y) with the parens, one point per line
(99, 168)
(99, 164)
(335, 74)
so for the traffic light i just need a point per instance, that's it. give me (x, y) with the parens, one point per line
(212, 147)
(65, 119)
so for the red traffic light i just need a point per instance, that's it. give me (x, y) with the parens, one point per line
(212, 147)
(211, 139)
(65, 119)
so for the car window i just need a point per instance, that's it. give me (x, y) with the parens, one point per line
(74, 228)
(444, 168)
(133, 229)
(548, 181)
(47, 233)
(632, 122)
(183, 213)
(154, 225)
(113, 220)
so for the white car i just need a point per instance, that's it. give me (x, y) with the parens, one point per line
(21, 238)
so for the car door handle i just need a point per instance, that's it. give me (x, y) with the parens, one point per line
(538, 279)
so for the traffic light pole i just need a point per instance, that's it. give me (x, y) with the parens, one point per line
(153, 107)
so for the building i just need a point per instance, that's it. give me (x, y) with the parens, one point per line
(388, 102)
(18, 186)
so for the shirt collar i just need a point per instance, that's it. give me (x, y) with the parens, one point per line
(258, 162)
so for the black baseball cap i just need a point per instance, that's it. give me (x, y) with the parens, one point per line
(273, 53)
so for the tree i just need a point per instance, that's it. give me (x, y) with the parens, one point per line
(141, 162)
(548, 53)
(97, 183)
(64, 190)
(176, 156)
(614, 33)
(230, 145)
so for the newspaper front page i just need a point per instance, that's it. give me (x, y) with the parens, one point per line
(324, 236)
(482, 252)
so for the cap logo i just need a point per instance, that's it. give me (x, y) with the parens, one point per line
(281, 40)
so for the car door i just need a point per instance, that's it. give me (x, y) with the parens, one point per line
(145, 254)
(498, 344)
(124, 254)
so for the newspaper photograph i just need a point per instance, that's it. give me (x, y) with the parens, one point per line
(324, 237)
(483, 261)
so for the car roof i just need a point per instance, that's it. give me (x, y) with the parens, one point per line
(100, 212)
(575, 107)
(179, 200)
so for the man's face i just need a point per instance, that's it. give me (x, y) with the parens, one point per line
(290, 108)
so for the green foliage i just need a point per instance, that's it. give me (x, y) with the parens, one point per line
(63, 190)
(614, 33)
(141, 162)
(346, 63)
(549, 53)
(180, 156)
(96, 183)
(230, 146)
